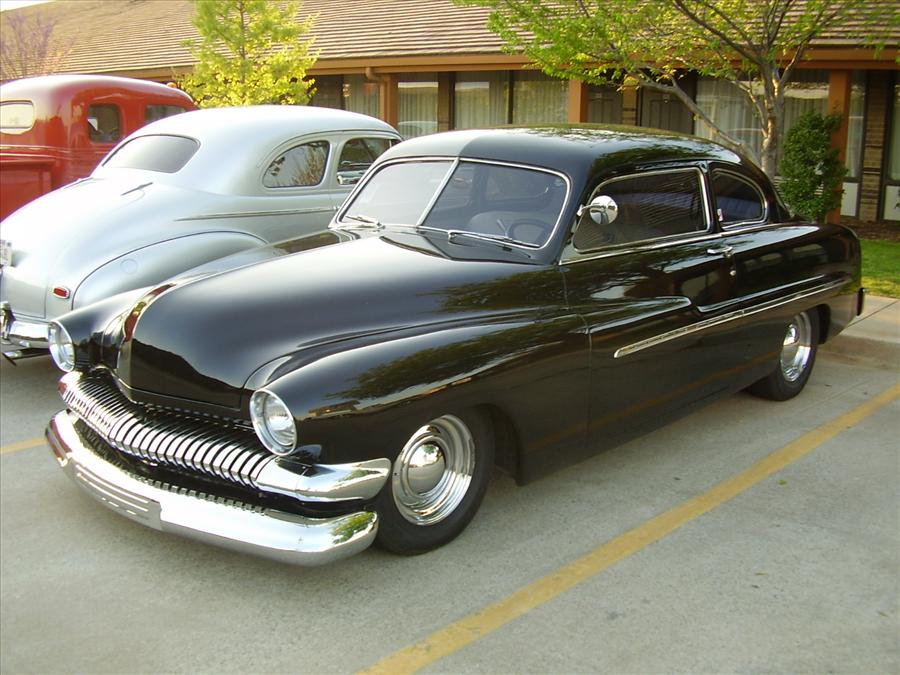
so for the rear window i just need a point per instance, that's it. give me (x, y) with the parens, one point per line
(16, 117)
(159, 111)
(166, 154)
(104, 125)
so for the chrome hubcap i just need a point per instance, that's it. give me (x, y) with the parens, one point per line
(797, 347)
(433, 471)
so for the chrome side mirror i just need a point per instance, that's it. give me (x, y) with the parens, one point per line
(602, 209)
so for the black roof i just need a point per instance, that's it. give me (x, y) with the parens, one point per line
(580, 151)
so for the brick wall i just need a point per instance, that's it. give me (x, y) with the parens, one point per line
(878, 98)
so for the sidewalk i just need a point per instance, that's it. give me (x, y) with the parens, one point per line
(880, 321)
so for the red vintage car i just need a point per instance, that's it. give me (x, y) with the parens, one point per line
(55, 129)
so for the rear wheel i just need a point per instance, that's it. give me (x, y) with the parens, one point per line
(437, 483)
(798, 354)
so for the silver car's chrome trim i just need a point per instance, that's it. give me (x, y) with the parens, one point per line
(281, 536)
(257, 214)
(212, 447)
(29, 334)
(725, 318)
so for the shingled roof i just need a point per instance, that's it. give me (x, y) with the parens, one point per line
(144, 38)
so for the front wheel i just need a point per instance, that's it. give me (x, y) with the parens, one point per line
(798, 354)
(437, 483)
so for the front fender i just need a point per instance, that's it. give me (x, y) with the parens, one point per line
(151, 265)
(365, 402)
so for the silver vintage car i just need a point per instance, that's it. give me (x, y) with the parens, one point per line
(172, 196)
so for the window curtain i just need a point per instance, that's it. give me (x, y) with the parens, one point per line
(855, 125)
(417, 104)
(361, 95)
(480, 99)
(539, 98)
(730, 108)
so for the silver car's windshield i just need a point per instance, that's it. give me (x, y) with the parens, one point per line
(500, 202)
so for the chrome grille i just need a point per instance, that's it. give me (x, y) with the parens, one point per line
(210, 446)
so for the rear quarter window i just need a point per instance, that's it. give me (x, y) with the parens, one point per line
(104, 123)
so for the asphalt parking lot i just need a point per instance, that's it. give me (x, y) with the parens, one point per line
(750, 537)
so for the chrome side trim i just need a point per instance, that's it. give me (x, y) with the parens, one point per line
(725, 318)
(277, 535)
(645, 245)
(257, 214)
(216, 448)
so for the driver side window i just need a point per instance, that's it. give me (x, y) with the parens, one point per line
(647, 206)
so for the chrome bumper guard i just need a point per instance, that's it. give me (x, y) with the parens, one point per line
(277, 535)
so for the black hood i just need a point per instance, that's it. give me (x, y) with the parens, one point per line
(202, 340)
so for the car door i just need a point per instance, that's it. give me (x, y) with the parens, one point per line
(651, 284)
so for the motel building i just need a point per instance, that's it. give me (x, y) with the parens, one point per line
(429, 65)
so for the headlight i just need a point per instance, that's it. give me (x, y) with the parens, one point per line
(62, 349)
(273, 422)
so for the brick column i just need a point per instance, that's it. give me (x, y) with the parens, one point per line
(878, 97)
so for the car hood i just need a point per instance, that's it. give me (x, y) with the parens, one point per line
(202, 339)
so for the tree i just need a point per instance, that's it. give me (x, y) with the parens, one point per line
(811, 170)
(250, 52)
(29, 44)
(756, 44)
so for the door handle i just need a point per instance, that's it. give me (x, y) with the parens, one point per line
(723, 250)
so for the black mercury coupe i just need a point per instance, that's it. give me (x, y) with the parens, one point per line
(520, 298)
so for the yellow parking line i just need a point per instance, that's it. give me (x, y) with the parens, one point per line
(22, 445)
(457, 635)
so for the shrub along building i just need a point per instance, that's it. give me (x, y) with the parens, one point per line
(429, 65)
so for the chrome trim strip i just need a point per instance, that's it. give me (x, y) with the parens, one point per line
(719, 320)
(256, 214)
(277, 535)
(215, 448)
(647, 245)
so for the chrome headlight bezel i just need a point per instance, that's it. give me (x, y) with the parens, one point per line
(62, 348)
(280, 437)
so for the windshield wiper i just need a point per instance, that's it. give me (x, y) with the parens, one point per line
(366, 220)
(499, 238)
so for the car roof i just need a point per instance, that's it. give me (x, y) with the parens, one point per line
(580, 151)
(266, 123)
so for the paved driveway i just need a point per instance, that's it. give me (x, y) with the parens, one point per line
(751, 536)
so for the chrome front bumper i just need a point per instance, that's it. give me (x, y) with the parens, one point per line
(278, 535)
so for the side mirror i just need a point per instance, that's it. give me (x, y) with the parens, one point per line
(602, 209)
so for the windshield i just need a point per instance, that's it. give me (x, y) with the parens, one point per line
(475, 198)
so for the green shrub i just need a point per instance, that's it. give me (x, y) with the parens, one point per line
(811, 171)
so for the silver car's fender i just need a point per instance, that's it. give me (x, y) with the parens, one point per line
(153, 264)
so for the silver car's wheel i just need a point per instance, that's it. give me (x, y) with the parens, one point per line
(433, 471)
(795, 360)
(437, 483)
(797, 347)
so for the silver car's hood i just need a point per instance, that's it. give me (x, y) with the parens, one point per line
(63, 236)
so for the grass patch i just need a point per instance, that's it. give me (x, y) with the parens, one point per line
(881, 267)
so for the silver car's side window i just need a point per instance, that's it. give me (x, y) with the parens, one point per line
(357, 155)
(301, 166)
(649, 206)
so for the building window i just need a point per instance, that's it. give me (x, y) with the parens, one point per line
(729, 107)
(329, 92)
(604, 105)
(360, 95)
(539, 98)
(481, 100)
(417, 104)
